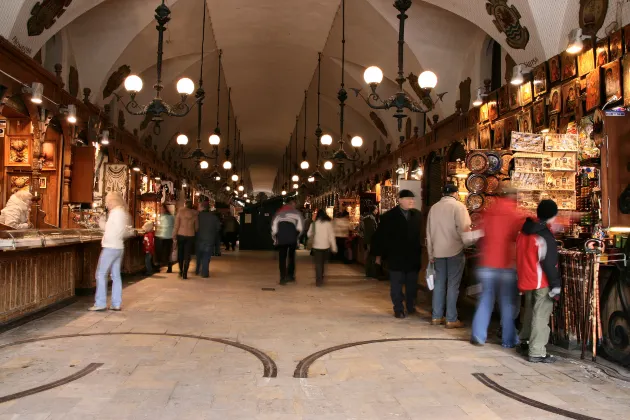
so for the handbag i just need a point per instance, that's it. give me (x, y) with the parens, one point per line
(174, 252)
(430, 277)
(311, 239)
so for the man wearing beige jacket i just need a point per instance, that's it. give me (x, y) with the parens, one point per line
(447, 225)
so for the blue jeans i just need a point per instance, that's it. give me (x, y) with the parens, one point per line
(204, 254)
(148, 263)
(448, 277)
(501, 284)
(109, 262)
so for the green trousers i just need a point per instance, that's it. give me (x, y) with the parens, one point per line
(535, 328)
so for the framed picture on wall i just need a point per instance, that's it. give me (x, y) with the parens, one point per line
(555, 100)
(586, 59)
(49, 156)
(540, 80)
(625, 68)
(483, 113)
(503, 100)
(510, 124)
(515, 96)
(525, 120)
(540, 115)
(42, 183)
(493, 109)
(569, 66)
(612, 81)
(526, 93)
(602, 52)
(499, 135)
(555, 73)
(616, 46)
(485, 137)
(570, 97)
(593, 90)
(554, 123)
(473, 138)
(18, 150)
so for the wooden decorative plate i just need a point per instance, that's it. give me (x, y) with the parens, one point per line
(476, 183)
(476, 218)
(477, 162)
(489, 202)
(492, 184)
(506, 158)
(494, 162)
(474, 202)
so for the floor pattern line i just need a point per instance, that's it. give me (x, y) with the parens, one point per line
(269, 366)
(483, 378)
(63, 381)
(301, 370)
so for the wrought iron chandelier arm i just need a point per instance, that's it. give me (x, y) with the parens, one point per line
(132, 107)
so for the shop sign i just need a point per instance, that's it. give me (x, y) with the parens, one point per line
(613, 113)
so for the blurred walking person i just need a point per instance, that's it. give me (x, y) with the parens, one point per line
(286, 228)
(231, 230)
(186, 224)
(164, 238)
(322, 237)
(207, 234)
(341, 226)
(367, 228)
(115, 232)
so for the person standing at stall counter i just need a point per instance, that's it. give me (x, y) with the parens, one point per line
(447, 225)
(539, 279)
(397, 241)
(115, 232)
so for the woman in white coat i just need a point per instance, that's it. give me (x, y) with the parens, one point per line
(15, 213)
(322, 237)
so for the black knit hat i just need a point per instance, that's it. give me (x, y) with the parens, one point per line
(547, 209)
(449, 189)
(406, 194)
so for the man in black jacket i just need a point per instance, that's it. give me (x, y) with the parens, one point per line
(397, 240)
(286, 228)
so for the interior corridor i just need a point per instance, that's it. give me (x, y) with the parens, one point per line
(227, 348)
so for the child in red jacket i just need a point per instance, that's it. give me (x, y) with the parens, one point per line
(149, 246)
(538, 279)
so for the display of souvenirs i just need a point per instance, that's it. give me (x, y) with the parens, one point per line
(587, 147)
(561, 142)
(474, 202)
(559, 162)
(528, 181)
(528, 164)
(477, 162)
(506, 159)
(529, 199)
(389, 198)
(476, 183)
(526, 142)
(563, 181)
(564, 199)
(494, 162)
(492, 184)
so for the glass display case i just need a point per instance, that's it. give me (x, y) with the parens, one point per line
(40, 238)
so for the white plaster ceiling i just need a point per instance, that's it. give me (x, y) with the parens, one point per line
(270, 56)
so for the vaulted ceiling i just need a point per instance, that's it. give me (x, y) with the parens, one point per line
(270, 50)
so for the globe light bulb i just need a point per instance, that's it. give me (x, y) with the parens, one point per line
(227, 165)
(373, 75)
(217, 178)
(245, 195)
(326, 140)
(241, 188)
(328, 165)
(227, 188)
(311, 179)
(427, 80)
(133, 83)
(296, 186)
(203, 164)
(214, 140)
(248, 200)
(284, 192)
(235, 177)
(185, 86)
(182, 139)
(295, 178)
(304, 165)
(356, 141)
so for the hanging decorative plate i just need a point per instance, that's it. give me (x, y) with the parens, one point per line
(489, 202)
(476, 218)
(494, 162)
(474, 202)
(492, 184)
(506, 158)
(477, 162)
(476, 183)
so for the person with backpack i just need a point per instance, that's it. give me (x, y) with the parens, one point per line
(538, 279)
(286, 228)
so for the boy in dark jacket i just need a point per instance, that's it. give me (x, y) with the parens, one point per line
(538, 279)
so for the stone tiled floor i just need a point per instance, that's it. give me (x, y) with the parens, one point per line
(158, 377)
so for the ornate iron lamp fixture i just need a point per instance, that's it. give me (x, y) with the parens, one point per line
(317, 175)
(185, 87)
(340, 155)
(400, 100)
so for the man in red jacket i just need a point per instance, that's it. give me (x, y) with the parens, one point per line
(538, 279)
(497, 269)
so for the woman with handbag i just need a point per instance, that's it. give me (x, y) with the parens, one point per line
(321, 240)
